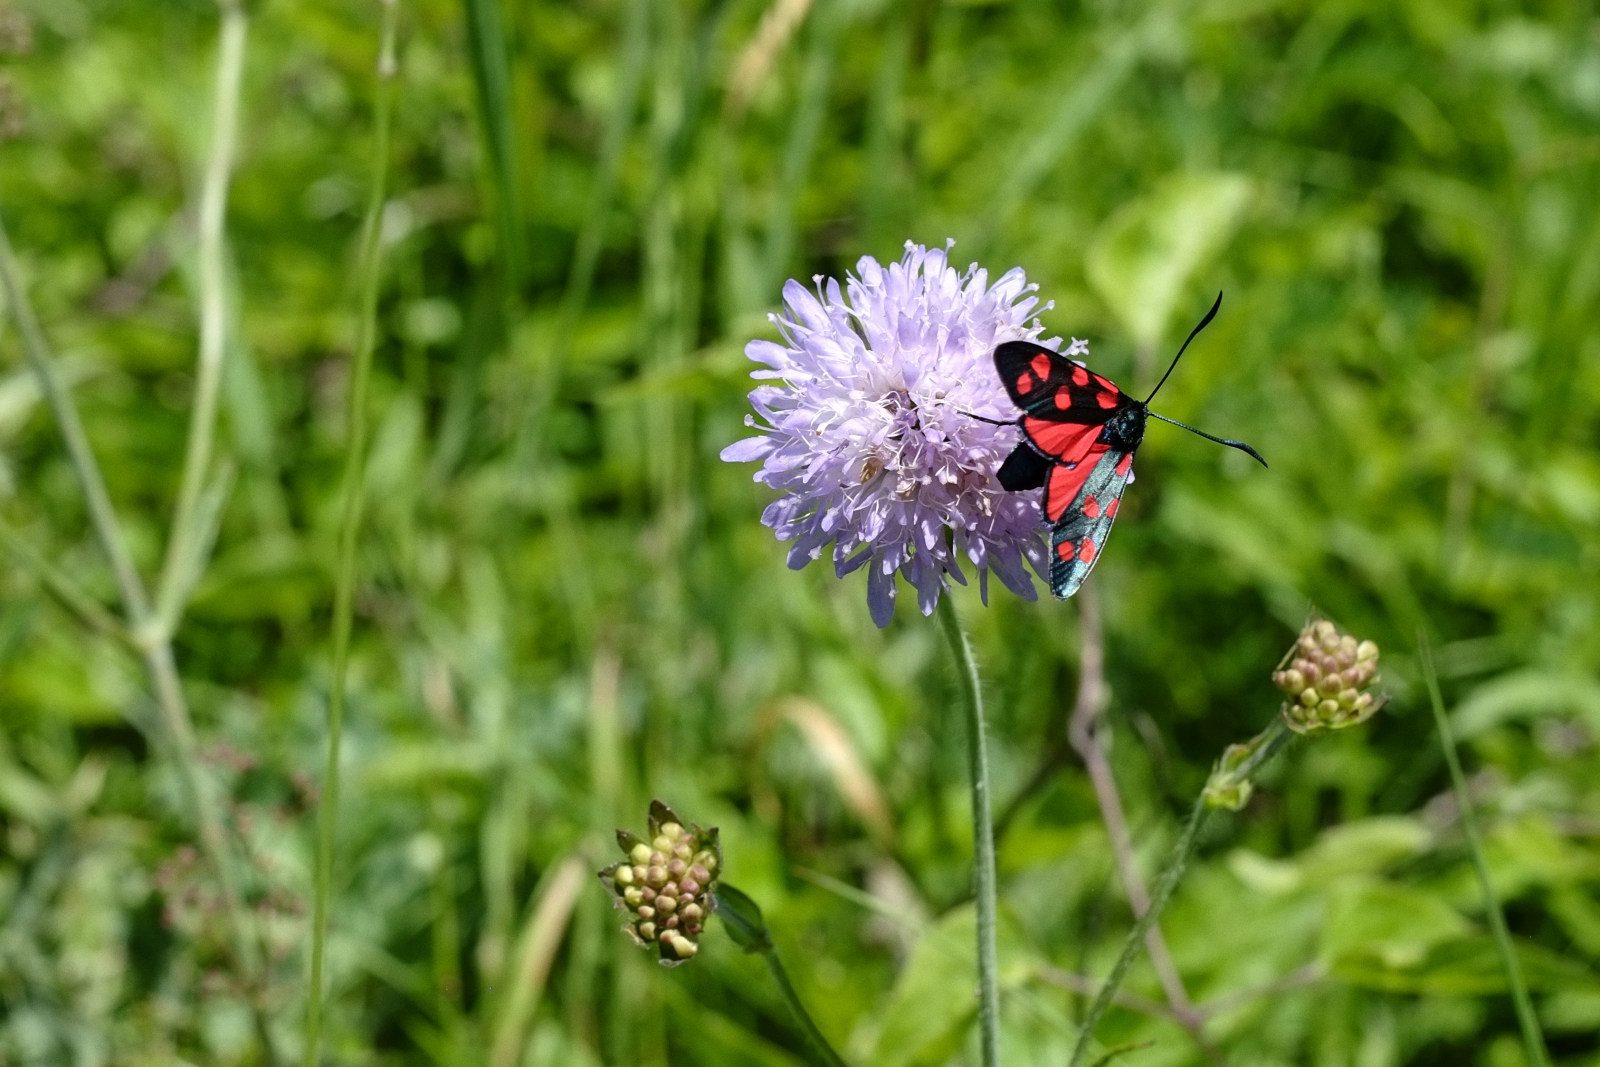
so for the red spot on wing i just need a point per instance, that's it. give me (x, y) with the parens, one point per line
(1065, 442)
(1091, 507)
(1111, 512)
(1063, 398)
(1080, 375)
(1124, 465)
(1065, 483)
(1106, 400)
(1066, 550)
(1086, 550)
(1024, 382)
(1040, 365)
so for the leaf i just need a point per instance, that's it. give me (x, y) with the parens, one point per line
(1527, 694)
(1471, 966)
(1367, 846)
(1147, 251)
(1392, 925)
(743, 919)
(934, 1000)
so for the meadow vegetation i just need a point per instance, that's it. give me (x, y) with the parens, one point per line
(563, 605)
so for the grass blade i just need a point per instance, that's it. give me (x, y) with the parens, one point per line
(350, 518)
(491, 74)
(189, 520)
(1532, 1036)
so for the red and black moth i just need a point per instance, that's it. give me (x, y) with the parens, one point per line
(1079, 435)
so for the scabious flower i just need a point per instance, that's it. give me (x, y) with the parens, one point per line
(868, 430)
(1328, 677)
(667, 884)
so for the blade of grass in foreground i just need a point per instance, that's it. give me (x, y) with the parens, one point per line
(350, 518)
(1532, 1037)
(490, 71)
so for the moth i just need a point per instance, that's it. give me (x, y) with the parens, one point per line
(1079, 434)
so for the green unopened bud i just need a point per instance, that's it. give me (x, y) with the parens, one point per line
(1327, 678)
(1230, 795)
(1229, 785)
(666, 883)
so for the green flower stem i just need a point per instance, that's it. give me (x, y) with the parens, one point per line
(741, 917)
(1265, 745)
(1532, 1036)
(982, 834)
(821, 1050)
(351, 497)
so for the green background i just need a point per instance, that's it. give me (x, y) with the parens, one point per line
(566, 604)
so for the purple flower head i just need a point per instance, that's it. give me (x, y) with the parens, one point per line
(867, 430)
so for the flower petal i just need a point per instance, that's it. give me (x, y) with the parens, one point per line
(880, 595)
(749, 449)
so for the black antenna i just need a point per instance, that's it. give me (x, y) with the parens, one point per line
(1192, 333)
(1240, 445)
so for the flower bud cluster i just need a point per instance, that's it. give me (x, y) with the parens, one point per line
(665, 885)
(1328, 679)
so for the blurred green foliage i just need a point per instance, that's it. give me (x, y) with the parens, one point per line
(567, 604)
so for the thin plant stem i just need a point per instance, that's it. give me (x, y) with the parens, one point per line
(983, 877)
(1266, 745)
(1532, 1036)
(1083, 732)
(1083, 985)
(154, 648)
(821, 1050)
(188, 524)
(741, 917)
(102, 516)
(66, 591)
(351, 497)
